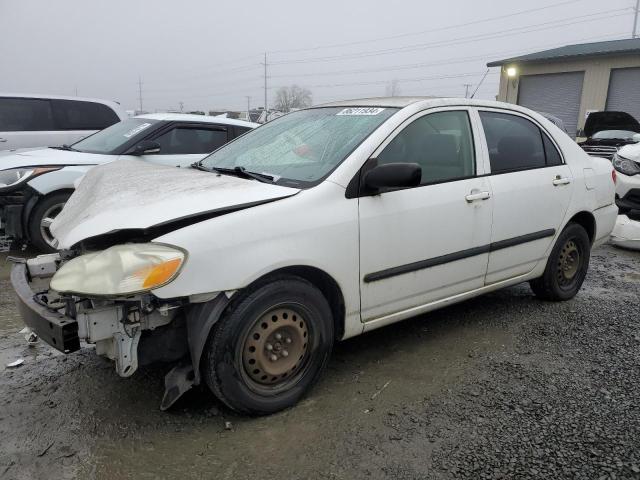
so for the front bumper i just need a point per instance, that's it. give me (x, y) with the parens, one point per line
(55, 328)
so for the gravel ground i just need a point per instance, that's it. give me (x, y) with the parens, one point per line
(502, 386)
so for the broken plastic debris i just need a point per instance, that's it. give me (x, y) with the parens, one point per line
(31, 338)
(25, 330)
(16, 363)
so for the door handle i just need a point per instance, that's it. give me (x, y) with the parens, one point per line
(561, 181)
(472, 197)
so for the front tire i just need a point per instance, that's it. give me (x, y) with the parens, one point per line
(40, 220)
(270, 347)
(566, 267)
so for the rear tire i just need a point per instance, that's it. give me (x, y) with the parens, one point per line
(566, 267)
(270, 346)
(39, 222)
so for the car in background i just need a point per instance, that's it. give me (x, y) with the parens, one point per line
(607, 131)
(28, 121)
(626, 162)
(318, 226)
(35, 184)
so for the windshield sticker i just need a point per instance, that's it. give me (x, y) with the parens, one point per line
(136, 130)
(361, 111)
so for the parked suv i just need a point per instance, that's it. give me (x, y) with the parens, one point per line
(318, 226)
(608, 131)
(46, 120)
(35, 184)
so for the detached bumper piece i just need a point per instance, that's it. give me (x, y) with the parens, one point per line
(58, 330)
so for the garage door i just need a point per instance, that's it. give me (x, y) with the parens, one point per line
(558, 94)
(624, 91)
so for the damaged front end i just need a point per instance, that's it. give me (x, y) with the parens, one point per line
(132, 330)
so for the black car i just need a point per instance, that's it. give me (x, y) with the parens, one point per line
(608, 131)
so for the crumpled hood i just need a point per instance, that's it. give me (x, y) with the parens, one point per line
(50, 156)
(134, 194)
(630, 152)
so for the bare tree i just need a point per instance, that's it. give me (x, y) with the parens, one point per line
(393, 88)
(292, 97)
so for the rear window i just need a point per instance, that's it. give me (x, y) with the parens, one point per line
(80, 115)
(25, 115)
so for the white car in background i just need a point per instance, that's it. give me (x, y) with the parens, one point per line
(35, 184)
(28, 121)
(320, 225)
(626, 161)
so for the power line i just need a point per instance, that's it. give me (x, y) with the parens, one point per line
(404, 35)
(462, 40)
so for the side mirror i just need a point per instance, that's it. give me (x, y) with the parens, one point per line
(146, 147)
(393, 175)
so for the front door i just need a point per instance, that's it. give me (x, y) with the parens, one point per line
(422, 244)
(531, 188)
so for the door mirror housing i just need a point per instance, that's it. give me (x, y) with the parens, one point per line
(146, 147)
(393, 175)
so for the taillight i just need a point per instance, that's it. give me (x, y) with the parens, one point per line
(614, 177)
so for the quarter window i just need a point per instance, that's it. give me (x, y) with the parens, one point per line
(186, 140)
(441, 143)
(516, 143)
(79, 115)
(25, 115)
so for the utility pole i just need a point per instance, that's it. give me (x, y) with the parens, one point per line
(266, 109)
(140, 92)
(76, 90)
(634, 33)
(248, 107)
(466, 89)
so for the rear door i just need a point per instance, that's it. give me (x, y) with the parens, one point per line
(76, 119)
(26, 122)
(185, 143)
(531, 186)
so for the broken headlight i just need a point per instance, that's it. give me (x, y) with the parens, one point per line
(120, 270)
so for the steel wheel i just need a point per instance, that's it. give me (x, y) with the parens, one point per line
(568, 263)
(45, 224)
(275, 348)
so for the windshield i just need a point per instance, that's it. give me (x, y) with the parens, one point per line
(107, 141)
(619, 134)
(301, 148)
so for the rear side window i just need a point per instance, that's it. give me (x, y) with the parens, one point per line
(190, 140)
(441, 143)
(516, 143)
(79, 115)
(25, 115)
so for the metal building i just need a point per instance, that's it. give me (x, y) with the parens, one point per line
(572, 81)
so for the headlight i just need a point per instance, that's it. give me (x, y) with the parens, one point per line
(624, 165)
(120, 270)
(14, 176)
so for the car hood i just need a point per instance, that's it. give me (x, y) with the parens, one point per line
(49, 156)
(599, 121)
(134, 195)
(630, 152)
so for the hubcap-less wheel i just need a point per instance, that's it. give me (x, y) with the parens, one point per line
(568, 263)
(47, 219)
(275, 347)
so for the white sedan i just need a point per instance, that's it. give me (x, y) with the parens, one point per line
(35, 184)
(321, 225)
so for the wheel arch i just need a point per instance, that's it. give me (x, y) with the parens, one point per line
(587, 221)
(324, 282)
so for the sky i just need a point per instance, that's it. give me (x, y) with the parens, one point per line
(209, 55)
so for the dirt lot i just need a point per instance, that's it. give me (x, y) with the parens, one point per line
(503, 386)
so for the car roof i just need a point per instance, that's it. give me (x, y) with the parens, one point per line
(426, 102)
(58, 97)
(188, 117)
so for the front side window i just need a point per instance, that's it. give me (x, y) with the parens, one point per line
(190, 140)
(441, 143)
(303, 147)
(111, 139)
(516, 143)
(81, 115)
(25, 115)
